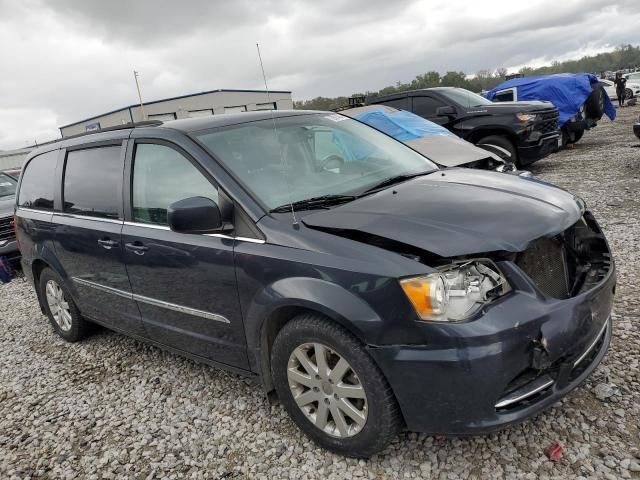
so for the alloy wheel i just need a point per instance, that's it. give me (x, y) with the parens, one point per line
(58, 305)
(327, 390)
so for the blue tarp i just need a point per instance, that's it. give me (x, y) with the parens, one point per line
(567, 91)
(401, 125)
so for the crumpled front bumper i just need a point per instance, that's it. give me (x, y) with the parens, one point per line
(466, 379)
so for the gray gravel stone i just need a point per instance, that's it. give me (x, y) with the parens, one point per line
(111, 407)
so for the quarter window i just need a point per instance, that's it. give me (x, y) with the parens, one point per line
(162, 176)
(38, 180)
(91, 182)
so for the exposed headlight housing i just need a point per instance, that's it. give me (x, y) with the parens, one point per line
(526, 117)
(457, 291)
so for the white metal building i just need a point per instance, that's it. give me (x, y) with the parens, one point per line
(13, 158)
(195, 105)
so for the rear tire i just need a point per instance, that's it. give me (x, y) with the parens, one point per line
(595, 103)
(60, 308)
(628, 94)
(490, 143)
(346, 404)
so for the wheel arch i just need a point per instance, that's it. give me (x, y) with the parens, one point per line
(286, 299)
(42, 259)
(481, 132)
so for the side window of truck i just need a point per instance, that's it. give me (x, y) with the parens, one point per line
(426, 106)
(399, 103)
(508, 95)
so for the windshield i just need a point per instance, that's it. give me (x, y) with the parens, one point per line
(7, 186)
(308, 156)
(465, 97)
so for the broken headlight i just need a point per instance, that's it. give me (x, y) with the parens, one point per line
(457, 291)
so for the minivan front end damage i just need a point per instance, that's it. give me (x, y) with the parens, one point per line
(521, 351)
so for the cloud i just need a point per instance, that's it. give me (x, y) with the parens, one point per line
(65, 60)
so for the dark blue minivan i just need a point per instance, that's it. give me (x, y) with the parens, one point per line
(364, 287)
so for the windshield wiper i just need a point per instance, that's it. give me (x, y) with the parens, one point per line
(323, 201)
(393, 180)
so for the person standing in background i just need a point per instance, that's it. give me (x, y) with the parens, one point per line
(620, 83)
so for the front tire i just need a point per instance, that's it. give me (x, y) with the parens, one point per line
(60, 307)
(501, 146)
(569, 138)
(332, 389)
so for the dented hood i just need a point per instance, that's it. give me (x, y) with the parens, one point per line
(458, 212)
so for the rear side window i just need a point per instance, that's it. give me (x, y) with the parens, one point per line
(504, 96)
(426, 106)
(399, 103)
(38, 182)
(162, 176)
(92, 182)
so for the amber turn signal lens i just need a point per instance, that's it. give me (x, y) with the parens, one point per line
(428, 296)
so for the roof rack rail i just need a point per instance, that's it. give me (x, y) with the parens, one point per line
(124, 126)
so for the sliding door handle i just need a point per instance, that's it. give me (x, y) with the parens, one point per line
(107, 243)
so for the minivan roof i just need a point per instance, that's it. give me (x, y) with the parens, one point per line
(225, 119)
(185, 125)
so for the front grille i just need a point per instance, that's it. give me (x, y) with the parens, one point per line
(547, 121)
(569, 263)
(590, 259)
(6, 230)
(545, 262)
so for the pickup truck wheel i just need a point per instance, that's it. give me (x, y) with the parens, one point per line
(628, 94)
(332, 389)
(595, 103)
(60, 308)
(577, 135)
(501, 146)
(571, 137)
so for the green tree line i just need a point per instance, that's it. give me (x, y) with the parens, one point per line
(623, 57)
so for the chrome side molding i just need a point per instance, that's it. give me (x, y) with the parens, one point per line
(152, 301)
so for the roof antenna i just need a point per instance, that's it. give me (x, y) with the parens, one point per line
(275, 132)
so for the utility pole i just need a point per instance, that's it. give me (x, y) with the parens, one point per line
(135, 75)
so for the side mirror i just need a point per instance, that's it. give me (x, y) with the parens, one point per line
(447, 111)
(196, 215)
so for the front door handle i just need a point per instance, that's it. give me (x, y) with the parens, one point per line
(136, 247)
(107, 243)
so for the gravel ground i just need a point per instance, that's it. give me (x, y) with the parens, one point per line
(111, 407)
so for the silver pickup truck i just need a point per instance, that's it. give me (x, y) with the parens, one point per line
(8, 245)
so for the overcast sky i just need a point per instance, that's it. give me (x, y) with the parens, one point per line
(65, 60)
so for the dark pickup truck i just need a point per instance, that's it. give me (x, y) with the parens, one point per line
(521, 132)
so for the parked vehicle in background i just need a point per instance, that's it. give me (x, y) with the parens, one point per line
(632, 77)
(369, 294)
(579, 97)
(632, 89)
(636, 128)
(527, 131)
(12, 172)
(429, 139)
(8, 245)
